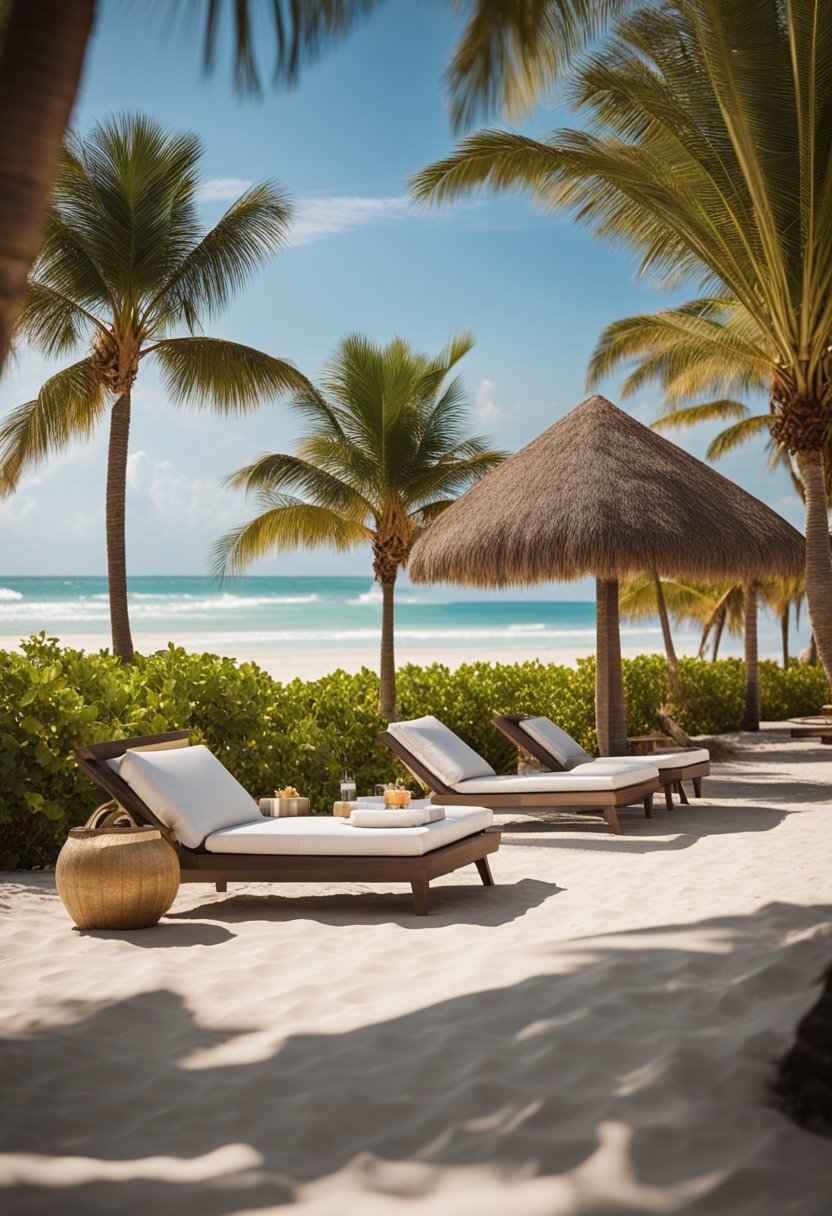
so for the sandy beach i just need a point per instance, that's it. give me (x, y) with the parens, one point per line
(596, 1034)
(309, 663)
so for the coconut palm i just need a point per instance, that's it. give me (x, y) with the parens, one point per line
(124, 263)
(508, 53)
(690, 355)
(385, 451)
(708, 151)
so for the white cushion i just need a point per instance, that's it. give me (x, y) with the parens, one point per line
(189, 790)
(659, 760)
(379, 817)
(566, 750)
(440, 750)
(165, 746)
(322, 835)
(591, 776)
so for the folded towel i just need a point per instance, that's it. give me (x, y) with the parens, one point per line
(371, 800)
(370, 817)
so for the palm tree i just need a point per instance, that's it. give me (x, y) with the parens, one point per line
(42, 48)
(123, 264)
(713, 607)
(385, 451)
(507, 55)
(708, 151)
(689, 356)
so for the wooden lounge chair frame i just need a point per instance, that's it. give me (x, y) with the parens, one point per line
(819, 728)
(671, 778)
(606, 801)
(198, 865)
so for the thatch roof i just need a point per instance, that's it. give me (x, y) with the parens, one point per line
(600, 494)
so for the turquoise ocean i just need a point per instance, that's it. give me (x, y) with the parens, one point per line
(310, 613)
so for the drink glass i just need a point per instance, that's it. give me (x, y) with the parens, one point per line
(347, 787)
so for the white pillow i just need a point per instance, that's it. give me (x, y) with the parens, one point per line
(563, 747)
(440, 750)
(189, 790)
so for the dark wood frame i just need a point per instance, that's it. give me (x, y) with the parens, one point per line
(822, 732)
(197, 865)
(671, 778)
(606, 801)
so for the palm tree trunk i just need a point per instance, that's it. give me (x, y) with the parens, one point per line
(670, 649)
(602, 669)
(41, 57)
(610, 711)
(618, 710)
(751, 717)
(784, 634)
(116, 552)
(387, 674)
(720, 627)
(818, 560)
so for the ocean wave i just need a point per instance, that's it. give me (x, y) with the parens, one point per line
(461, 634)
(7, 594)
(224, 599)
(373, 598)
(142, 607)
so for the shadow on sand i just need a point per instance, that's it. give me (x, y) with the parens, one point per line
(449, 905)
(671, 1045)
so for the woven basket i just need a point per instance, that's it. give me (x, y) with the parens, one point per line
(114, 874)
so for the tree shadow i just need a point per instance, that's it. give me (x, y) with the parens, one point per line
(639, 1062)
(449, 905)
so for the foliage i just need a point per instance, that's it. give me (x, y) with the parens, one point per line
(126, 264)
(385, 450)
(54, 698)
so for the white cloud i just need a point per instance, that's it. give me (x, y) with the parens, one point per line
(137, 463)
(487, 411)
(223, 188)
(13, 510)
(321, 216)
(193, 505)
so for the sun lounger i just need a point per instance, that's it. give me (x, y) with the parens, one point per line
(559, 752)
(219, 835)
(459, 776)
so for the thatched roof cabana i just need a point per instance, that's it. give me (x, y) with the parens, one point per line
(600, 494)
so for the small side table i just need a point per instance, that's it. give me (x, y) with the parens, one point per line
(645, 745)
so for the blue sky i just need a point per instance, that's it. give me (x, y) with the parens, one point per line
(535, 289)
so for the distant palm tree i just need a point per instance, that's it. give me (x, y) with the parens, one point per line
(124, 263)
(386, 450)
(707, 150)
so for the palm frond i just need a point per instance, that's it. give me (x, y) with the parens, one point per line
(51, 321)
(512, 52)
(210, 373)
(285, 524)
(282, 473)
(708, 411)
(302, 31)
(67, 407)
(734, 436)
(225, 259)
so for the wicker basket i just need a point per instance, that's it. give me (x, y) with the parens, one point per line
(114, 874)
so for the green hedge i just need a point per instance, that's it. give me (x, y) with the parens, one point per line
(54, 698)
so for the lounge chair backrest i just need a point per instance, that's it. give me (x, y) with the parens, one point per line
(566, 750)
(440, 750)
(189, 790)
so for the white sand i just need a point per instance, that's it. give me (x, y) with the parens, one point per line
(310, 663)
(594, 1035)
